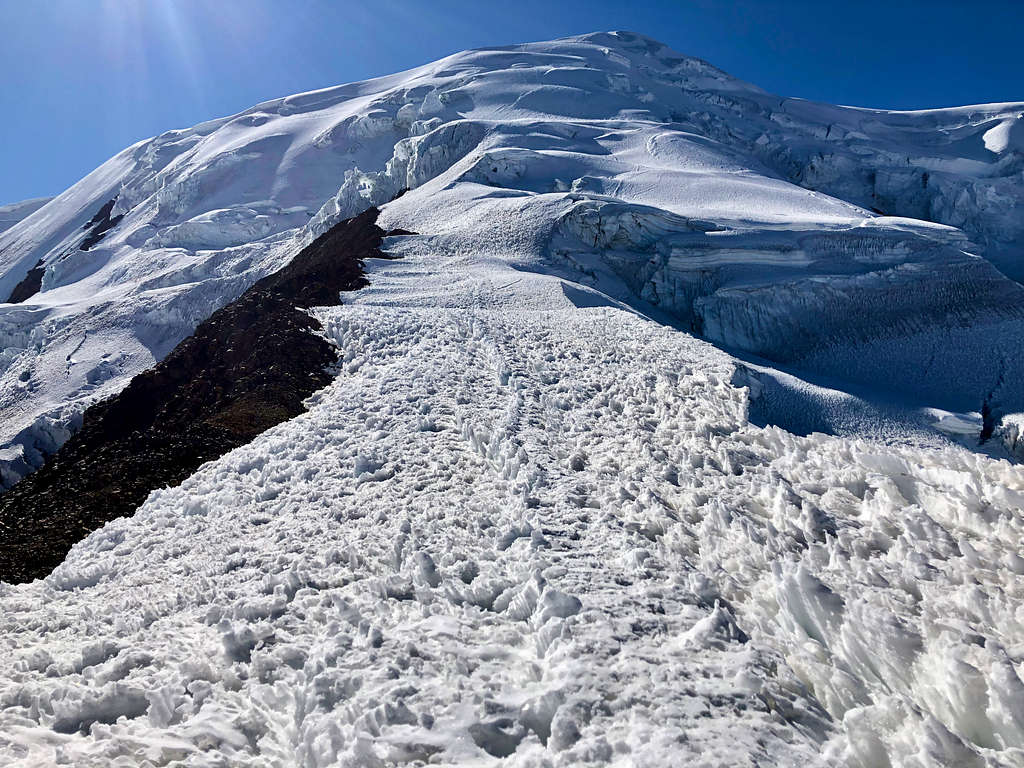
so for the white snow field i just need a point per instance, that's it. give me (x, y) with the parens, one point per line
(744, 216)
(532, 521)
(12, 213)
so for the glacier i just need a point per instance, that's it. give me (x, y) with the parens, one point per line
(644, 140)
(12, 213)
(569, 498)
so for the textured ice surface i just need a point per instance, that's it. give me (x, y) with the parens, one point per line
(720, 203)
(527, 522)
(515, 528)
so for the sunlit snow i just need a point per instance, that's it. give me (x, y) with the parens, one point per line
(534, 518)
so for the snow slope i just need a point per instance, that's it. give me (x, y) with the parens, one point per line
(516, 528)
(678, 179)
(528, 521)
(12, 213)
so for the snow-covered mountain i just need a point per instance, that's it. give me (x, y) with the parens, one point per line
(718, 203)
(14, 212)
(540, 514)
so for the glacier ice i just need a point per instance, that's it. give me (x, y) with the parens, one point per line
(527, 521)
(613, 120)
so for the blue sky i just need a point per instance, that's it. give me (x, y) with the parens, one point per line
(84, 78)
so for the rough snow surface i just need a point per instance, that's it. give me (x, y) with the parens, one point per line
(745, 216)
(513, 528)
(527, 522)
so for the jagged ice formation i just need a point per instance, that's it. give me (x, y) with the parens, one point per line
(538, 515)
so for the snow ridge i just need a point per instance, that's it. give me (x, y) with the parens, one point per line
(12, 213)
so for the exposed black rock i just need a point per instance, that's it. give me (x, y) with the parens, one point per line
(97, 227)
(29, 286)
(100, 224)
(246, 368)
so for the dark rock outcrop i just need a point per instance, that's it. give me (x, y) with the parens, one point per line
(246, 368)
(100, 224)
(29, 286)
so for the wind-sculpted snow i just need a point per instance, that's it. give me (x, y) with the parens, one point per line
(611, 120)
(544, 535)
(12, 213)
(535, 519)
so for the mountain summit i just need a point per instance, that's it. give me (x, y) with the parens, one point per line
(676, 425)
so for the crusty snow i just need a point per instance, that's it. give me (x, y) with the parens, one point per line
(534, 519)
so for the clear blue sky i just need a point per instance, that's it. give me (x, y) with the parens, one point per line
(84, 78)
